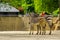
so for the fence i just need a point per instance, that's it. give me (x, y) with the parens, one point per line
(17, 24)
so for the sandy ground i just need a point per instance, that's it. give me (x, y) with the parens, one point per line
(24, 35)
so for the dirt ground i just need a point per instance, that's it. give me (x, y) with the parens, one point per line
(25, 36)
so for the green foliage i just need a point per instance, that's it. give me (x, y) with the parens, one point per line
(46, 5)
(55, 13)
(38, 5)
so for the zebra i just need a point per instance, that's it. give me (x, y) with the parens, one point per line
(49, 19)
(41, 24)
(33, 20)
(41, 27)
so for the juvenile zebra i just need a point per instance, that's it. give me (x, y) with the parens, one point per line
(41, 27)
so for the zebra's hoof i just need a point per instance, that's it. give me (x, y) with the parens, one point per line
(36, 33)
(29, 33)
(42, 33)
(49, 33)
(32, 33)
(39, 33)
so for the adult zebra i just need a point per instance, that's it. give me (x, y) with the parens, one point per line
(33, 21)
(49, 20)
(44, 19)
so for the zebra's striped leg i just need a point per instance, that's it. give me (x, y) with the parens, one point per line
(37, 29)
(32, 28)
(50, 31)
(44, 32)
(45, 29)
(30, 31)
(40, 30)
